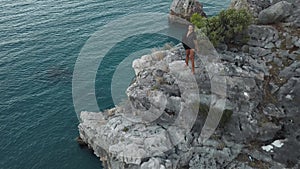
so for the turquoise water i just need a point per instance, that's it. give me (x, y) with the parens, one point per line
(39, 44)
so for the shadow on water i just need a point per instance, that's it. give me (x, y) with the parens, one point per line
(55, 75)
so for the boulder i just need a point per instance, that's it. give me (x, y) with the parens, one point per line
(182, 10)
(294, 19)
(254, 7)
(289, 97)
(290, 71)
(262, 35)
(152, 163)
(275, 13)
(259, 52)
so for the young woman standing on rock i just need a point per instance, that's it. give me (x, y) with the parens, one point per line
(189, 42)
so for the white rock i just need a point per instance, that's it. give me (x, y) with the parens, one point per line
(289, 97)
(268, 148)
(151, 164)
(278, 143)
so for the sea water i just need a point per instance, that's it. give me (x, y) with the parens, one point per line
(39, 44)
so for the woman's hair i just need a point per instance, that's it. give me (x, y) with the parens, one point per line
(187, 28)
(191, 25)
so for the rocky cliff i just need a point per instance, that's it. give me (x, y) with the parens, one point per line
(271, 11)
(240, 109)
(182, 10)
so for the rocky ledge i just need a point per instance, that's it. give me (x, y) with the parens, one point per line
(182, 10)
(176, 120)
(271, 11)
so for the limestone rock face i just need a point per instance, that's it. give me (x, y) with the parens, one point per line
(262, 36)
(169, 111)
(275, 13)
(294, 18)
(254, 7)
(182, 10)
(161, 124)
(240, 4)
(271, 11)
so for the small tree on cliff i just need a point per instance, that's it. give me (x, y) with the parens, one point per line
(225, 26)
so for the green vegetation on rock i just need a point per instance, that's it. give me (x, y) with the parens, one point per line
(225, 26)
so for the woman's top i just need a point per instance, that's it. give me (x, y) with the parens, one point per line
(188, 41)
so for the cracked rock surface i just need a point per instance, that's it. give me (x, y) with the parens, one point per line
(239, 111)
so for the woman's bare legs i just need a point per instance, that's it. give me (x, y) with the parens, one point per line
(192, 54)
(187, 51)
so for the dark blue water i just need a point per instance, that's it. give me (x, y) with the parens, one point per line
(39, 44)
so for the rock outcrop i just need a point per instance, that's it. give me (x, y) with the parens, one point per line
(169, 120)
(275, 13)
(254, 7)
(182, 10)
(271, 11)
(160, 125)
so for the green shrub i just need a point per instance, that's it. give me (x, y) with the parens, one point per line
(223, 27)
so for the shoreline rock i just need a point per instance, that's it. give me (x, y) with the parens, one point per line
(182, 10)
(161, 123)
(271, 11)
